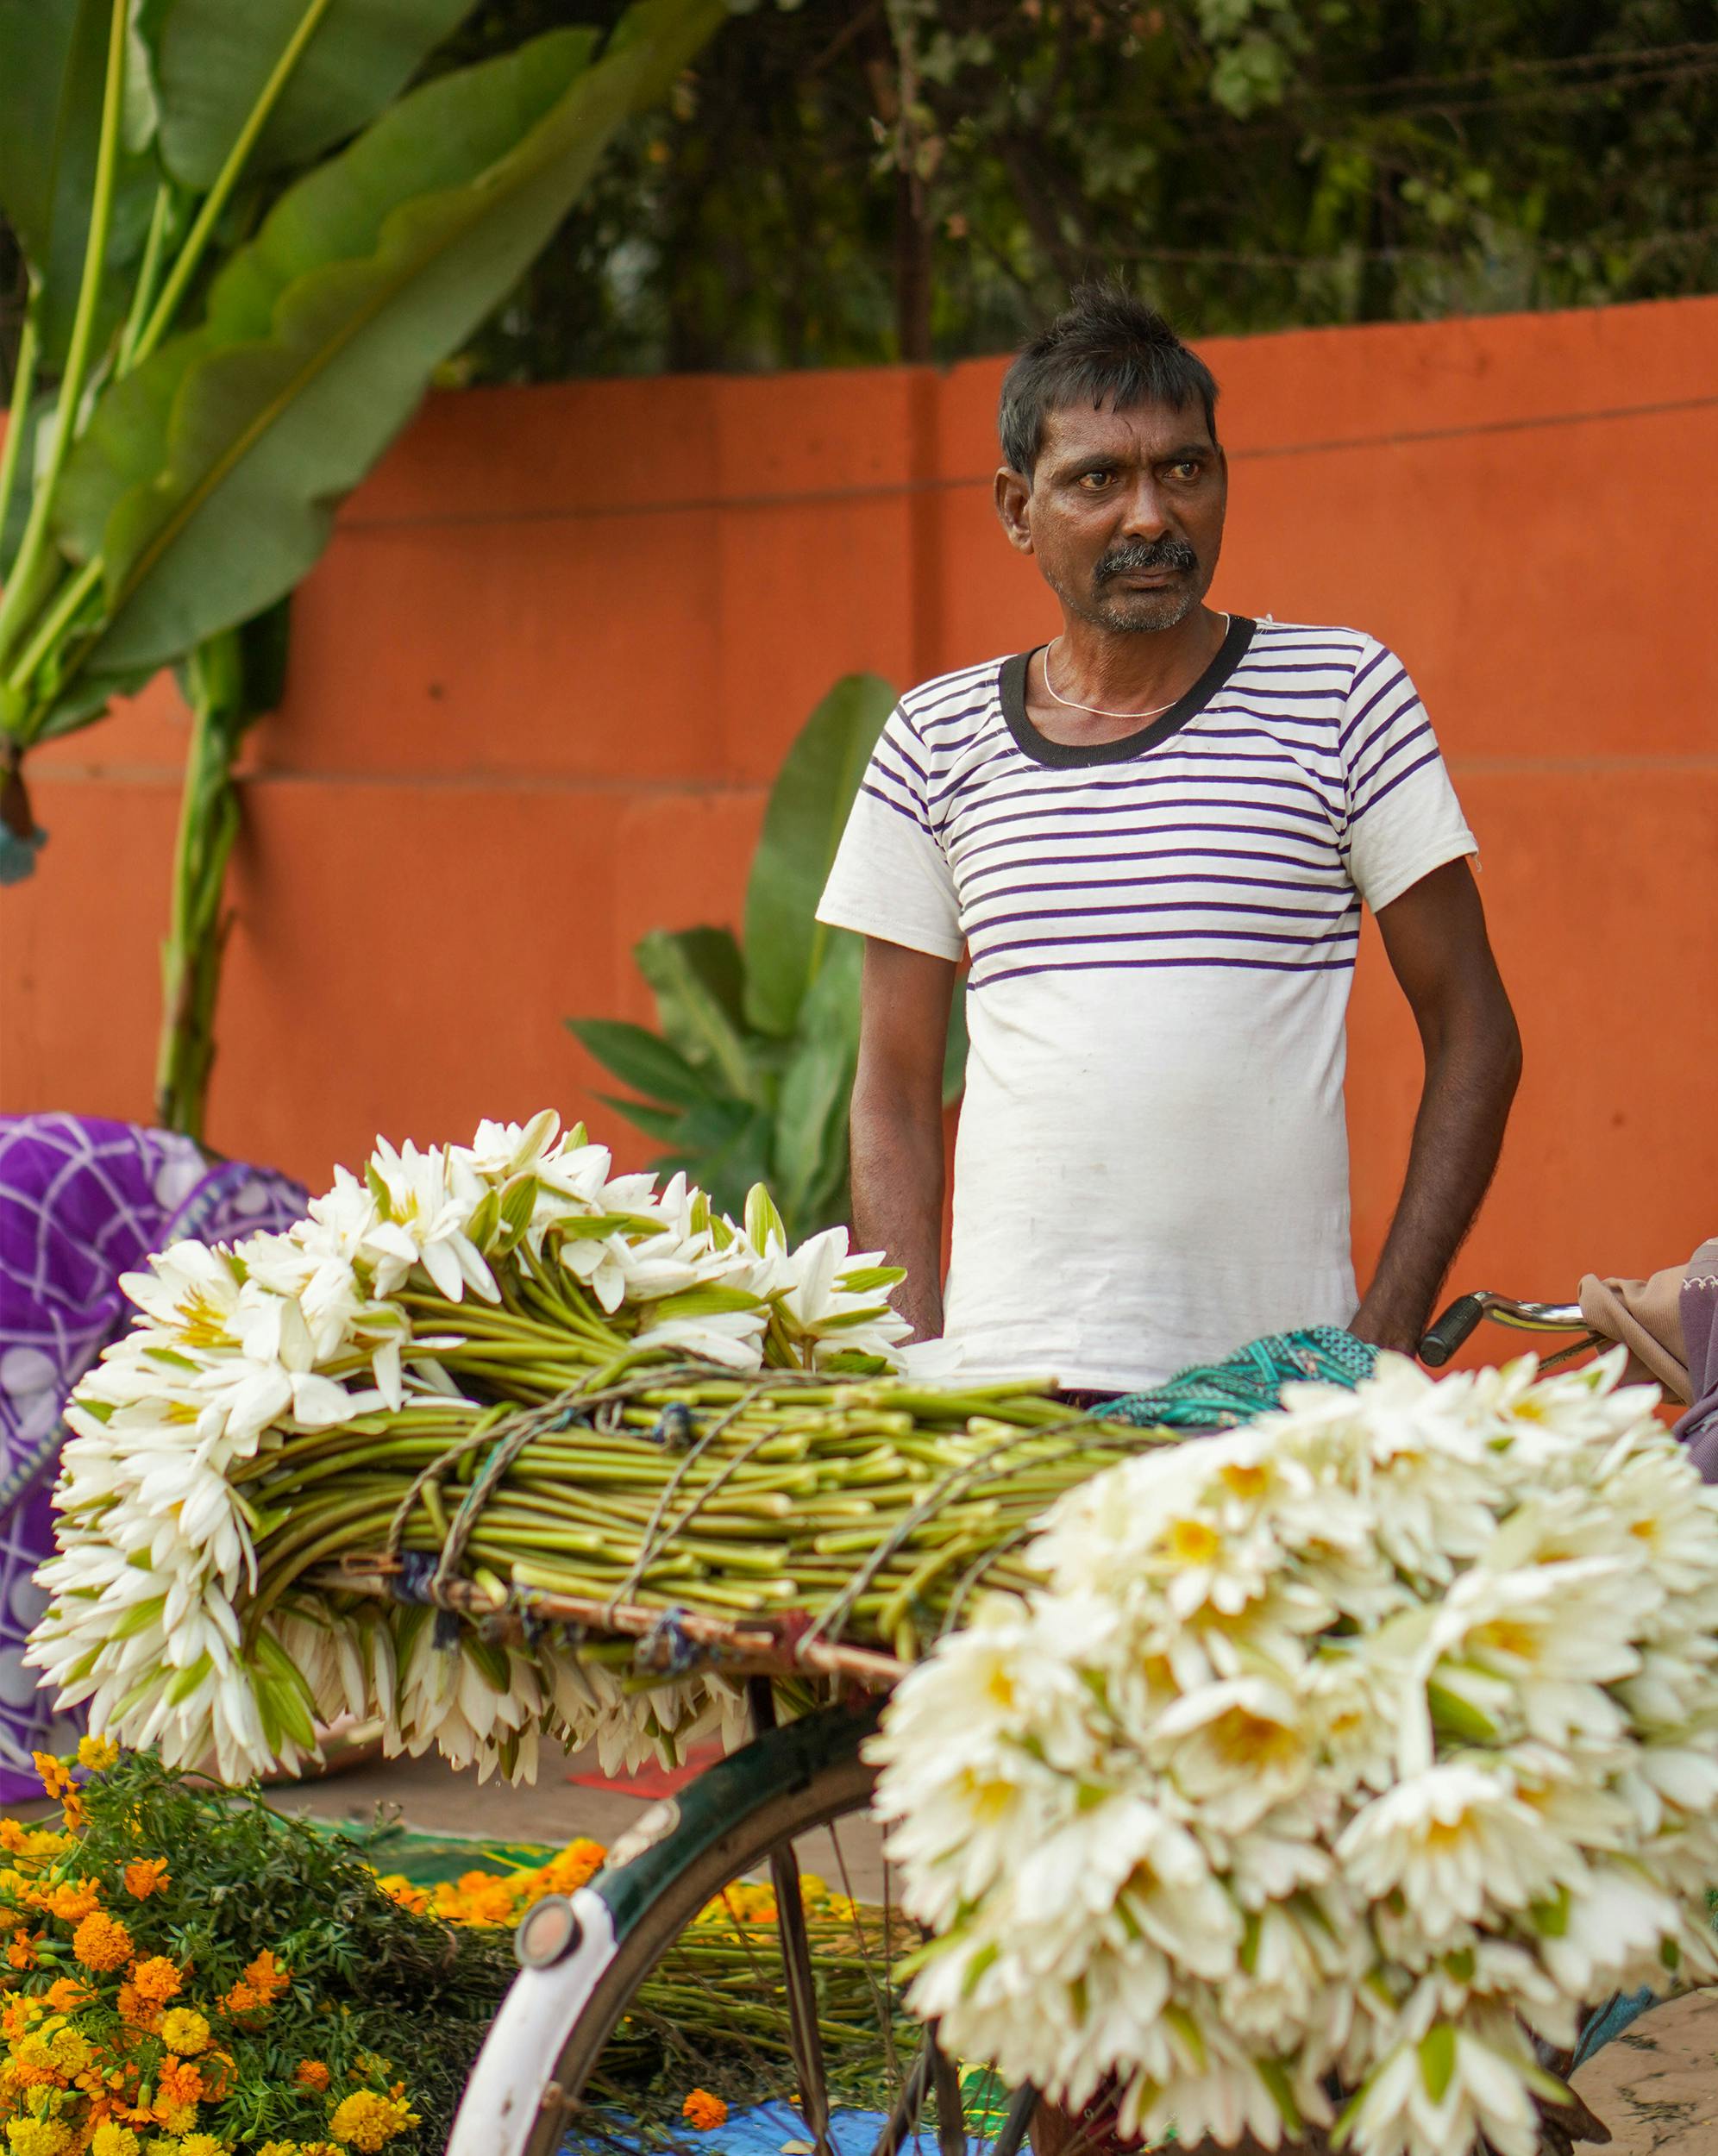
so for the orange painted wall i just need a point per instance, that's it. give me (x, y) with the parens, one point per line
(562, 638)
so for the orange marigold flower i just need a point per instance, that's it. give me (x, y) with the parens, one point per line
(102, 1942)
(72, 1900)
(265, 1979)
(178, 2081)
(240, 2000)
(14, 1836)
(22, 1951)
(148, 1876)
(71, 1811)
(135, 2010)
(67, 1994)
(55, 1778)
(157, 1979)
(310, 2073)
(704, 2112)
(398, 1888)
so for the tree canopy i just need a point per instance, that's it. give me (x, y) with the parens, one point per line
(856, 180)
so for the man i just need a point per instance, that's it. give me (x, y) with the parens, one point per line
(1152, 838)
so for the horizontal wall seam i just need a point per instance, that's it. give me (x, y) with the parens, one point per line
(900, 490)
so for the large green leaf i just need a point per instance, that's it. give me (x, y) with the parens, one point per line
(802, 826)
(213, 57)
(811, 1159)
(52, 68)
(724, 1147)
(640, 1060)
(208, 479)
(698, 978)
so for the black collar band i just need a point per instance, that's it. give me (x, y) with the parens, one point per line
(1067, 755)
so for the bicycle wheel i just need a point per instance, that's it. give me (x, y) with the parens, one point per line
(680, 1968)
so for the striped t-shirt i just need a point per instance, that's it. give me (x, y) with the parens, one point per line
(1152, 1163)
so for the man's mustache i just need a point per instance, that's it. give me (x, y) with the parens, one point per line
(1141, 555)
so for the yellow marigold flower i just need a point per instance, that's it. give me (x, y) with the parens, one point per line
(185, 2030)
(97, 1753)
(38, 2137)
(278, 2148)
(157, 1979)
(202, 2145)
(101, 1941)
(367, 2121)
(178, 2118)
(115, 2140)
(146, 1876)
(704, 2112)
(398, 1888)
(18, 2016)
(310, 2073)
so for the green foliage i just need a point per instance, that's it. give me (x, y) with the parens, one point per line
(376, 1991)
(748, 1079)
(845, 182)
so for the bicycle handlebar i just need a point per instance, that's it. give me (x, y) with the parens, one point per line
(1444, 1337)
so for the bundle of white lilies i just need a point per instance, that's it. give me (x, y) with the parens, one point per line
(1346, 1749)
(578, 1385)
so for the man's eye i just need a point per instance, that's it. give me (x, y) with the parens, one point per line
(1188, 468)
(1096, 479)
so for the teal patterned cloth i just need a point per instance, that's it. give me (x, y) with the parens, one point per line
(1217, 1396)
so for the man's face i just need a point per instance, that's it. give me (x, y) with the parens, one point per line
(1124, 512)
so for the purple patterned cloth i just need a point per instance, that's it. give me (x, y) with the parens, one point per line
(81, 1201)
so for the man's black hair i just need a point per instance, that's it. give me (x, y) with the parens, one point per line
(1108, 347)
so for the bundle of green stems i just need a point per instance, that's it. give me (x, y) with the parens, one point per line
(872, 1506)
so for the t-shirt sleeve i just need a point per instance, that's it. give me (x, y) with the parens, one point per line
(1403, 817)
(891, 878)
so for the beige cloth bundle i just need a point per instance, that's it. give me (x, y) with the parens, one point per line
(1646, 1317)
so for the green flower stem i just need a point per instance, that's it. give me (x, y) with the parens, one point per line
(54, 624)
(31, 571)
(23, 388)
(197, 240)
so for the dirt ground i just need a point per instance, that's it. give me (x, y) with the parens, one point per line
(1655, 2087)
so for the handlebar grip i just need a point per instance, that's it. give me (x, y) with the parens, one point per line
(1451, 1329)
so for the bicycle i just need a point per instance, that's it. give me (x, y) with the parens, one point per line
(560, 2070)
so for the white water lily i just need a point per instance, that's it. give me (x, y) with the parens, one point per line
(1424, 1674)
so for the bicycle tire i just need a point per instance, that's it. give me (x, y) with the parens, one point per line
(554, 2021)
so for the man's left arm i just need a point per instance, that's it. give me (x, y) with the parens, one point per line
(1434, 937)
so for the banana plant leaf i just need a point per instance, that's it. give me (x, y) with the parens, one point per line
(698, 978)
(640, 1059)
(52, 68)
(811, 1161)
(208, 479)
(808, 807)
(212, 59)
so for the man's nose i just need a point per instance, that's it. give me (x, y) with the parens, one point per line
(1144, 514)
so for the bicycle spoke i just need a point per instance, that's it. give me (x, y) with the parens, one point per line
(945, 2079)
(802, 1995)
(903, 2117)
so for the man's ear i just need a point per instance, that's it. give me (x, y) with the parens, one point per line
(1014, 495)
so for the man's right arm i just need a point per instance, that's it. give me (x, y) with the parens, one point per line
(897, 1122)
